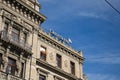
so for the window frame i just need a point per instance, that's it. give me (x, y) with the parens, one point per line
(22, 73)
(43, 54)
(23, 40)
(72, 67)
(5, 28)
(59, 60)
(43, 73)
(42, 76)
(0, 61)
(11, 66)
(15, 34)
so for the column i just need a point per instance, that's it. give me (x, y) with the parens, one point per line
(34, 51)
(81, 70)
(21, 38)
(9, 30)
(19, 64)
(1, 12)
(2, 20)
(5, 58)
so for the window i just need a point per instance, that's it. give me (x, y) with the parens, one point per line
(58, 59)
(11, 66)
(42, 74)
(15, 34)
(0, 61)
(24, 38)
(43, 53)
(22, 71)
(42, 77)
(72, 66)
(5, 29)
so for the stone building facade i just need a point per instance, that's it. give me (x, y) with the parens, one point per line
(27, 52)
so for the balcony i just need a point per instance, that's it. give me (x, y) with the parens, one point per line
(5, 76)
(15, 41)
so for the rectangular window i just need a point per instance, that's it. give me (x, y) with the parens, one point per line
(11, 66)
(72, 66)
(22, 71)
(43, 53)
(42, 77)
(24, 38)
(0, 61)
(58, 59)
(5, 29)
(15, 34)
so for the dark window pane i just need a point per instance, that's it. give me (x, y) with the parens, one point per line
(15, 35)
(72, 66)
(0, 60)
(24, 38)
(42, 77)
(5, 29)
(22, 71)
(43, 53)
(11, 67)
(58, 59)
(43, 56)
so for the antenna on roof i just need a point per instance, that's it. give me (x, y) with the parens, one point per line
(70, 41)
(60, 38)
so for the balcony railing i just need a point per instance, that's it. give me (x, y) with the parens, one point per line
(15, 40)
(5, 76)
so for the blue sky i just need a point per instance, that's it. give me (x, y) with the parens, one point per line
(94, 28)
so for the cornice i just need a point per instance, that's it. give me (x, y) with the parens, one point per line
(56, 70)
(35, 3)
(57, 43)
(36, 12)
(11, 11)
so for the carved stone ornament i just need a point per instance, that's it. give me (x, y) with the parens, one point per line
(51, 56)
(7, 14)
(66, 63)
(18, 63)
(4, 61)
(1, 11)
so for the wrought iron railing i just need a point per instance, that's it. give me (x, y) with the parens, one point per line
(5, 76)
(15, 40)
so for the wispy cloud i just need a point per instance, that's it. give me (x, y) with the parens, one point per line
(57, 10)
(91, 15)
(109, 58)
(93, 76)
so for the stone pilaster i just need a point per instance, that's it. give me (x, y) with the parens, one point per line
(19, 64)
(2, 20)
(5, 58)
(81, 69)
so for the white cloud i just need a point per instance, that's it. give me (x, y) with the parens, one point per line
(93, 76)
(72, 7)
(91, 15)
(109, 58)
